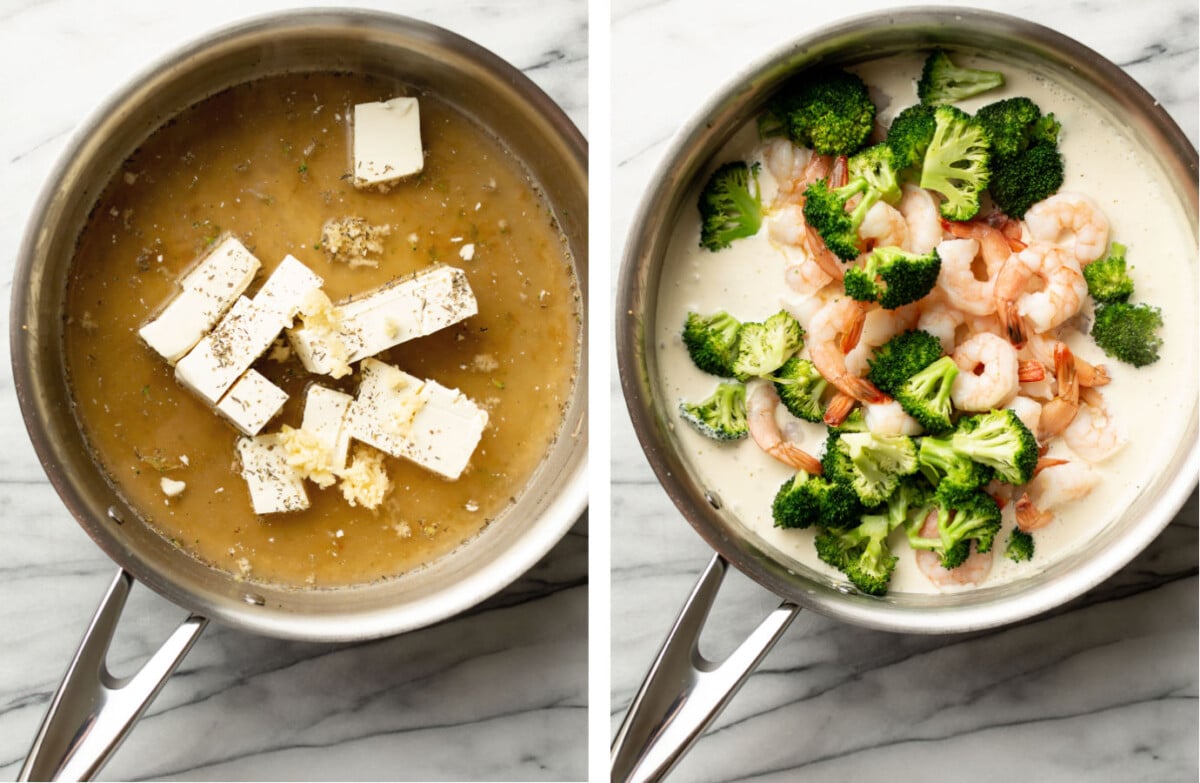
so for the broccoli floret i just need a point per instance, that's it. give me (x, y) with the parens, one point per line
(1022, 180)
(905, 277)
(972, 517)
(944, 82)
(825, 210)
(912, 500)
(955, 475)
(763, 348)
(826, 109)
(926, 395)
(1010, 124)
(806, 500)
(711, 341)
(1128, 332)
(855, 422)
(730, 205)
(1107, 279)
(956, 163)
(902, 357)
(1020, 546)
(861, 553)
(722, 416)
(871, 464)
(910, 134)
(878, 167)
(800, 386)
(999, 440)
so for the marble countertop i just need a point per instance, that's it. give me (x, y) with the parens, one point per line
(1104, 688)
(497, 694)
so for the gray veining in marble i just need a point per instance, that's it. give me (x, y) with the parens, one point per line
(498, 694)
(1102, 689)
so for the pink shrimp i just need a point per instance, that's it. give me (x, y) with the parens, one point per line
(971, 571)
(834, 331)
(761, 405)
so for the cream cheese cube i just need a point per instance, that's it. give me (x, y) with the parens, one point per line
(387, 142)
(275, 486)
(392, 314)
(206, 293)
(252, 402)
(247, 330)
(325, 416)
(286, 291)
(434, 426)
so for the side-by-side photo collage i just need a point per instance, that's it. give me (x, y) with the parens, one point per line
(600, 390)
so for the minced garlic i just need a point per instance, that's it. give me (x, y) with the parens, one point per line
(365, 483)
(305, 452)
(352, 239)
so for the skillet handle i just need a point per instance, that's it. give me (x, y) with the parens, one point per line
(93, 711)
(684, 692)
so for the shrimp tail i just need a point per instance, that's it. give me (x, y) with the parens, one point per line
(1029, 516)
(838, 409)
(1014, 325)
(1064, 371)
(1030, 371)
(862, 390)
(796, 457)
(839, 175)
(1044, 463)
(854, 330)
(1091, 375)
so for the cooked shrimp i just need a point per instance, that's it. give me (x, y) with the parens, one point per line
(888, 418)
(822, 255)
(1041, 347)
(806, 277)
(1050, 489)
(940, 319)
(839, 407)
(1094, 435)
(1027, 410)
(879, 326)
(761, 405)
(921, 218)
(957, 279)
(833, 331)
(972, 571)
(1075, 215)
(994, 246)
(987, 373)
(1060, 411)
(812, 266)
(883, 226)
(788, 164)
(1064, 289)
(1062, 294)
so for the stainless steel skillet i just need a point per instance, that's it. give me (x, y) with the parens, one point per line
(684, 692)
(93, 710)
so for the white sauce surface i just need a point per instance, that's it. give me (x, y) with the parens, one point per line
(747, 280)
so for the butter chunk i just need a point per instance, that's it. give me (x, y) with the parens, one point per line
(275, 486)
(387, 142)
(206, 293)
(252, 402)
(400, 311)
(432, 425)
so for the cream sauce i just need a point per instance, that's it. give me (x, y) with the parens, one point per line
(1104, 161)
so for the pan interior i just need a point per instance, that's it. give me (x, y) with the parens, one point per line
(1007, 41)
(462, 74)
